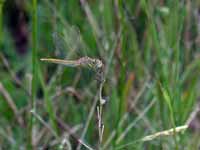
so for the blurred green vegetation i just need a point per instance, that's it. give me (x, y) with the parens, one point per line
(151, 51)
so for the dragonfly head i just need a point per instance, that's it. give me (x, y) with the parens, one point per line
(98, 64)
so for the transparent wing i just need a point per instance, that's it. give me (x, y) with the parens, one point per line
(69, 40)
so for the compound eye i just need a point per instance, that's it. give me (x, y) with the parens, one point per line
(98, 64)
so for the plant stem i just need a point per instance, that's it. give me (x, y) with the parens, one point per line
(34, 74)
(99, 114)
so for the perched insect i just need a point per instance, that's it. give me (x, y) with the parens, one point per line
(81, 62)
(85, 61)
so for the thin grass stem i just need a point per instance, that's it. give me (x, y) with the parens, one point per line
(34, 74)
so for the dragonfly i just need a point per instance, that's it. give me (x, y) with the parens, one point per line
(85, 61)
(66, 42)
